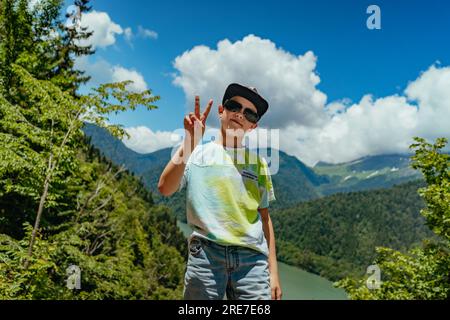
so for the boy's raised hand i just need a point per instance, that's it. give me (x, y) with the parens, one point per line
(196, 121)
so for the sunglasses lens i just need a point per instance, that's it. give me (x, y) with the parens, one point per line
(251, 116)
(233, 106)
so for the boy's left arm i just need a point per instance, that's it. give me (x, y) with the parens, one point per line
(273, 265)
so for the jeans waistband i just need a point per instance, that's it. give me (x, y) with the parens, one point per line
(216, 245)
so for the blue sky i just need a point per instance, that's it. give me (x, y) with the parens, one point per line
(352, 61)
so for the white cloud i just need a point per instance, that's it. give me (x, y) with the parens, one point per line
(141, 33)
(105, 30)
(102, 71)
(146, 33)
(144, 140)
(310, 128)
(386, 125)
(369, 127)
(128, 33)
(432, 93)
(121, 74)
(286, 80)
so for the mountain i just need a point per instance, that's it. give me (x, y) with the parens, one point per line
(335, 236)
(371, 172)
(118, 153)
(294, 182)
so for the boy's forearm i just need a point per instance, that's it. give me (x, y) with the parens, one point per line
(170, 178)
(270, 237)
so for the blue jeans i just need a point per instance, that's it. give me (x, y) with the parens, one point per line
(214, 269)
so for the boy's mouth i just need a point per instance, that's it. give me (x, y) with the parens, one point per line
(236, 122)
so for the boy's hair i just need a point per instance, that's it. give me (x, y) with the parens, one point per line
(249, 93)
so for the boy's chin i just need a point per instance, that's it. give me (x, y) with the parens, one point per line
(233, 131)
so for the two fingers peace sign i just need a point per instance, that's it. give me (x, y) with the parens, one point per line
(196, 118)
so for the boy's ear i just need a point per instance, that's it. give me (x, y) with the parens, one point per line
(220, 109)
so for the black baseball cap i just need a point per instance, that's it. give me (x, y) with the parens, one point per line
(249, 93)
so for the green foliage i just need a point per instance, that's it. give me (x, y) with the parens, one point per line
(436, 170)
(41, 139)
(423, 272)
(41, 43)
(61, 203)
(125, 247)
(336, 236)
(16, 282)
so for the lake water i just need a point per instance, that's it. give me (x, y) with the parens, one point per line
(298, 284)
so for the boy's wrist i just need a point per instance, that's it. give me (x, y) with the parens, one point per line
(187, 148)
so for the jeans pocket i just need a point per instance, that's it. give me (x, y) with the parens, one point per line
(195, 246)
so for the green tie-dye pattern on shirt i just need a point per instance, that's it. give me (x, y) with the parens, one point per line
(231, 216)
(224, 201)
(243, 208)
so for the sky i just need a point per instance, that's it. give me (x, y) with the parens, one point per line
(337, 90)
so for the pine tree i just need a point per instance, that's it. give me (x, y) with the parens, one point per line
(36, 39)
(60, 204)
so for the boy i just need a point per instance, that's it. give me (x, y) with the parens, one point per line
(232, 247)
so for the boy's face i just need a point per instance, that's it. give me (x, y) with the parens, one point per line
(236, 121)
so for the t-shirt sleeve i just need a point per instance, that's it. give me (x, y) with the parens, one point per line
(265, 185)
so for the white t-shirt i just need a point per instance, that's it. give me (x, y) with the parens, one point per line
(225, 188)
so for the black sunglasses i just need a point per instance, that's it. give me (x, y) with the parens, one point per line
(235, 106)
